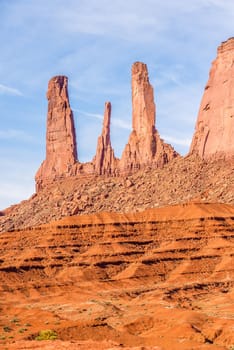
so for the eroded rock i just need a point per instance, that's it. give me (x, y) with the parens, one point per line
(61, 152)
(145, 147)
(104, 160)
(214, 130)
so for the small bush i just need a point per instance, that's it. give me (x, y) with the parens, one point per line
(47, 335)
(22, 330)
(15, 320)
(7, 329)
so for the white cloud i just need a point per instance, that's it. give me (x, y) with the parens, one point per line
(94, 43)
(120, 123)
(128, 20)
(7, 90)
(16, 178)
(11, 193)
(92, 115)
(15, 134)
(177, 141)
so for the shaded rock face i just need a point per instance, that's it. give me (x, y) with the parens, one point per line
(61, 152)
(214, 132)
(144, 146)
(104, 161)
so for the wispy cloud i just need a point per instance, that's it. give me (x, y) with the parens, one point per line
(7, 90)
(119, 123)
(16, 177)
(94, 43)
(177, 141)
(15, 134)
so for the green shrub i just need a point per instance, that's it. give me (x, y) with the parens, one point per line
(15, 320)
(22, 330)
(47, 334)
(7, 329)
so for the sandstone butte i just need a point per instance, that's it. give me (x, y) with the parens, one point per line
(124, 277)
(144, 148)
(214, 133)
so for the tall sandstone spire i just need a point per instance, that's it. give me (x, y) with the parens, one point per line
(144, 146)
(61, 152)
(214, 131)
(104, 161)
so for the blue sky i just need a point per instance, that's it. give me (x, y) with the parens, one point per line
(94, 43)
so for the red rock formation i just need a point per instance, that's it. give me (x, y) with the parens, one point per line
(162, 277)
(104, 161)
(61, 153)
(144, 146)
(214, 132)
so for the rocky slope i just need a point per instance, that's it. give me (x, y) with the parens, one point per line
(182, 180)
(162, 278)
(150, 173)
(123, 277)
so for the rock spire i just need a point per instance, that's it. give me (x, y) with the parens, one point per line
(214, 131)
(144, 148)
(61, 152)
(104, 161)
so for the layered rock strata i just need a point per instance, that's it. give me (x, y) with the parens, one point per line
(145, 147)
(104, 160)
(214, 130)
(155, 278)
(61, 151)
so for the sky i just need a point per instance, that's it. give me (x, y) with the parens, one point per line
(95, 43)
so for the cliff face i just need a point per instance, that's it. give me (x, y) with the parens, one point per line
(144, 147)
(61, 152)
(214, 130)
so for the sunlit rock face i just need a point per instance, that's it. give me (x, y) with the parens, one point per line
(144, 147)
(104, 160)
(61, 151)
(214, 132)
